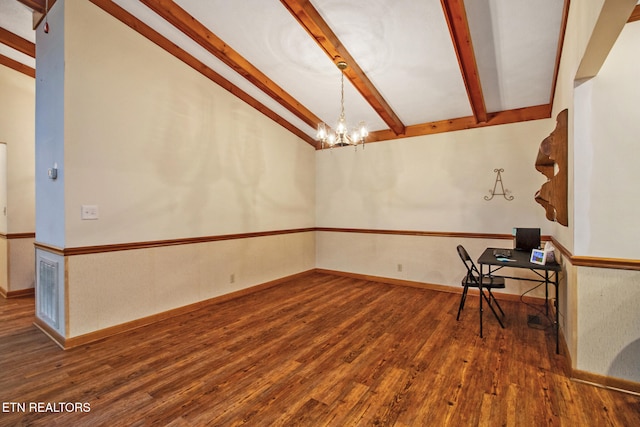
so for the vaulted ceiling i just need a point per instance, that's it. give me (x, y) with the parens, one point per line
(415, 66)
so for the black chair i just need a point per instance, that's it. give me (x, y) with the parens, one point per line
(472, 280)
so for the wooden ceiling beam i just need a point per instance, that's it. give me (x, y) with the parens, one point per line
(312, 22)
(39, 8)
(37, 5)
(143, 29)
(635, 15)
(464, 123)
(17, 66)
(18, 43)
(190, 26)
(556, 68)
(456, 18)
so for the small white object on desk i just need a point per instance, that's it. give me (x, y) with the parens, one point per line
(538, 256)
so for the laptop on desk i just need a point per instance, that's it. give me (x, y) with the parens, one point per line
(526, 239)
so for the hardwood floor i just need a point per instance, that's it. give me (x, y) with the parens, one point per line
(319, 350)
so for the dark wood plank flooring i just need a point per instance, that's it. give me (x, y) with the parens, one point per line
(315, 351)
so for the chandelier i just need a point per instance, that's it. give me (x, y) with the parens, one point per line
(342, 136)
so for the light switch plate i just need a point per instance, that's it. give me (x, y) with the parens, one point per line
(89, 212)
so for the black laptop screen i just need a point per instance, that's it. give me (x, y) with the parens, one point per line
(527, 239)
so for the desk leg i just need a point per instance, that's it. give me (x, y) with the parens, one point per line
(480, 289)
(557, 319)
(546, 292)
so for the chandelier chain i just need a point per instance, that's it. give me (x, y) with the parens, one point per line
(342, 96)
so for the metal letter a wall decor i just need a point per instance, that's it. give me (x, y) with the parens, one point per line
(506, 193)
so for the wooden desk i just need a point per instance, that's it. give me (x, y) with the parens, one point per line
(548, 273)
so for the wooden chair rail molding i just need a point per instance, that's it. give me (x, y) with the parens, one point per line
(464, 235)
(10, 236)
(16, 294)
(582, 261)
(85, 250)
(596, 262)
(617, 263)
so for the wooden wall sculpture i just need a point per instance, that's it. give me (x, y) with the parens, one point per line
(552, 163)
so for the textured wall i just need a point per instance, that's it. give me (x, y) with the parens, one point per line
(607, 212)
(609, 322)
(116, 287)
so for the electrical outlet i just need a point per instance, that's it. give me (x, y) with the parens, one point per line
(232, 278)
(89, 212)
(400, 267)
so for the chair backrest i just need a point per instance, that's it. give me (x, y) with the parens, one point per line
(472, 271)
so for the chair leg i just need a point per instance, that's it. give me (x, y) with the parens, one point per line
(462, 300)
(496, 301)
(488, 300)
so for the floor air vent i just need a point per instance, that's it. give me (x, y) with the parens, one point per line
(48, 292)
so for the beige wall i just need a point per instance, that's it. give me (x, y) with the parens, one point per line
(165, 154)
(600, 325)
(607, 197)
(607, 212)
(435, 182)
(430, 183)
(17, 131)
(420, 259)
(581, 21)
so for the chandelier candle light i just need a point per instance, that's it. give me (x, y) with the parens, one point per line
(341, 136)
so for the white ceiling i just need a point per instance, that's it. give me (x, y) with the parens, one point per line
(16, 18)
(404, 47)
